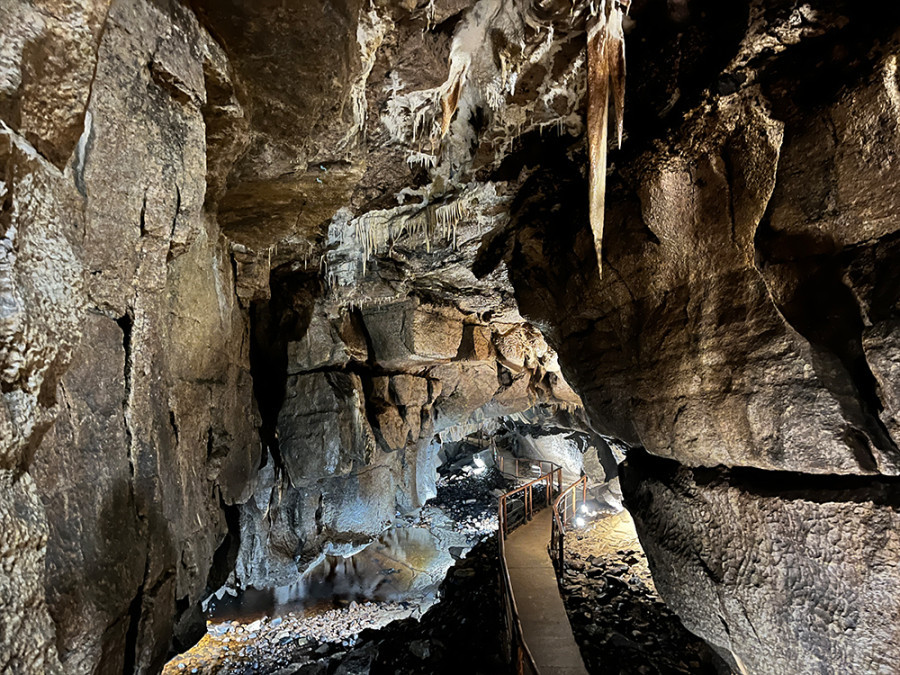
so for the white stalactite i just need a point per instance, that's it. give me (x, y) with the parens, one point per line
(606, 70)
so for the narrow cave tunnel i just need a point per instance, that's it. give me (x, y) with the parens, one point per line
(350, 337)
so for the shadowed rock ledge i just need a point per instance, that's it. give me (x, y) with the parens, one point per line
(770, 567)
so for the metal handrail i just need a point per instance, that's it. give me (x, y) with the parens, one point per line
(539, 464)
(561, 519)
(527, 491)
(519, 653)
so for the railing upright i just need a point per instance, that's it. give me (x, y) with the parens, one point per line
(519, 653)
(561, 519)
(520, 656)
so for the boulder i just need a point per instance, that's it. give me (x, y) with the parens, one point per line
(410, 332)
(409, 390)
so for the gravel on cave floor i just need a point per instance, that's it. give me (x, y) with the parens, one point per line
(619, 620)
(617, 617)
(459, 635)
(455, 636)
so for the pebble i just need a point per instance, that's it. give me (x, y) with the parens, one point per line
(620, 621)
(420, 649)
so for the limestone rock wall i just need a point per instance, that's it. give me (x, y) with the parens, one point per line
(127, 425)
(364, 394)
(268, 253)
(746, 317)
(773, 571)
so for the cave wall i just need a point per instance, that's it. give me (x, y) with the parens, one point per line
(157, 183)
(779, 573)
(746, 318)
(154, 184)
(128, 419)
(363, 395)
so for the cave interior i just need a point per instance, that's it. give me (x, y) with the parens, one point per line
(281, 280)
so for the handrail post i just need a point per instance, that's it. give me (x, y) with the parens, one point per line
(525, 503)
(529, 500)
(519, 654)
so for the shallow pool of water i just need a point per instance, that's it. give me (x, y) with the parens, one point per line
(404, 564)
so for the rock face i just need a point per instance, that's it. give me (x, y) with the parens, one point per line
(737, 323)
(363, 396)
(716, 373)
(772, 571)
(120, 321)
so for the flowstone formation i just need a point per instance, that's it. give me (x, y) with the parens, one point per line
(258, 259)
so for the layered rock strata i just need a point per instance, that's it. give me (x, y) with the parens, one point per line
(352, 440)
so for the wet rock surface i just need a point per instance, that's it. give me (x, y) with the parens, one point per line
(618, 618)
(320, 635)
(450, 638)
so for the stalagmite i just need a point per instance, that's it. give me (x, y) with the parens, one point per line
(606, 68)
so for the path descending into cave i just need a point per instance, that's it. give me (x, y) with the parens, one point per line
(545, 624)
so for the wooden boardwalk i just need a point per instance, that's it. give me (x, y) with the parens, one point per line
(544, 622)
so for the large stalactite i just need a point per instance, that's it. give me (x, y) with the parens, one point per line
(606, 80)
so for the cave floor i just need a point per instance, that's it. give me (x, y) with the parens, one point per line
(619, 620)
(319, 639)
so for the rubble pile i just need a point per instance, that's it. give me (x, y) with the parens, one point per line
(619, 620)
(470, 499)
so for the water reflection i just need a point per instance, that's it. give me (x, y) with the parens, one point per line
(404, 564)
